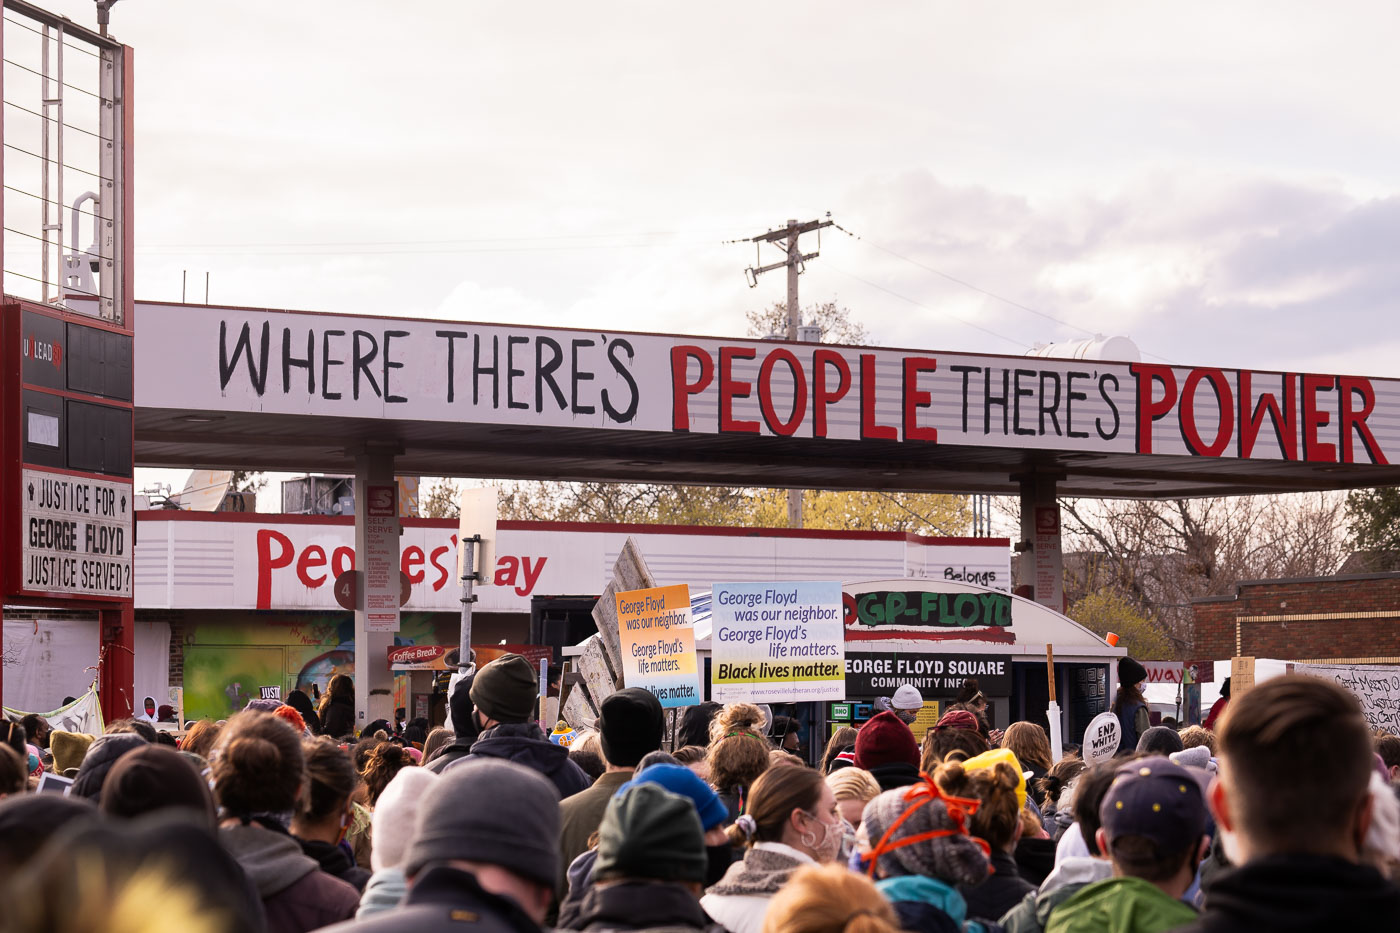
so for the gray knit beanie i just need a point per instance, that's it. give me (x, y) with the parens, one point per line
(493, 811)
(955, 859)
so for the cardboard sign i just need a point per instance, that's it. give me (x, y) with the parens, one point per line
(657, 638)
(777, 643)
(1101, 738)
(271, 693)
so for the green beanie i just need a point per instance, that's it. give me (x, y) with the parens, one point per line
(506, 689)
(649, 832)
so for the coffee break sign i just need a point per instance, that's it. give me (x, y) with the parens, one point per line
(77, 535)
(345, 366)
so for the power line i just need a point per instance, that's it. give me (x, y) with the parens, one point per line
(919, 304)
(977, 288)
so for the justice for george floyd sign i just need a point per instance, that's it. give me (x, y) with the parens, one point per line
(394, 368)
(77, 535)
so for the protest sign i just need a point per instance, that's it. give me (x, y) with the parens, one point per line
(777, 642)
(1376, 686)
(657, 638)
(1101, 738)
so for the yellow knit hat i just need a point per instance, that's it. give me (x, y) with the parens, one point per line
(991, 758)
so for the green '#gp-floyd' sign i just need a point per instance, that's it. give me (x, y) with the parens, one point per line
(926, 610)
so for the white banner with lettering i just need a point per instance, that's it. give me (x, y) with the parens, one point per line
(1377, 686)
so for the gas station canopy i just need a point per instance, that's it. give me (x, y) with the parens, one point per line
(272, 389)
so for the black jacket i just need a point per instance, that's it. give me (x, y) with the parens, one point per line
(338, 721)
(634, 905)
(525, 744)
(1282, 893)
(895, 774)
(1002, 890)
(444, 756)
(449, 900)
(334, 860)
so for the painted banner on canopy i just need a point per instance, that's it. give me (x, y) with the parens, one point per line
(777, 643)
(250, 360)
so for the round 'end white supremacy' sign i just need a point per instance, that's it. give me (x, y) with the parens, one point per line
(1101, 738)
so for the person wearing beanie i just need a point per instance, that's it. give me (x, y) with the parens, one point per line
(484, 854)
(101, 756)
(713, 814)
(1130, 706)
(921, 879)
(651, 864)
(156, 778)
(392, 829)
(1217, 709)
(886, 748)
(630, 725)
(503, 694)
(68, 749)
(1160, 740)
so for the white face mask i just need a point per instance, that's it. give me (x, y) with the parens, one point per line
(828, 846)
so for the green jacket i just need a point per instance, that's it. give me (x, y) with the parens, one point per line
(1033, 913)
(1120, 905)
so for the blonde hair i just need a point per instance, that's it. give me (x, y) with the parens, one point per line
(853, 784)
(1193, 736)
(829, 899)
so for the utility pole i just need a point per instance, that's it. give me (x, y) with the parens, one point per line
(794, 264)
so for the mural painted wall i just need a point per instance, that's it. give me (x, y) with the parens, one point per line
(231, 656)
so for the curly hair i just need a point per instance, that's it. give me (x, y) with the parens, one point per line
(738, 750)
(385, 760)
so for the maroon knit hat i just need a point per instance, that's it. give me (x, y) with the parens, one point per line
(884, 740)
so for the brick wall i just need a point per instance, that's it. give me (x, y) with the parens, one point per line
(1325, 617)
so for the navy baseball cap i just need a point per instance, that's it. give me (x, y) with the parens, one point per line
(1158, 800)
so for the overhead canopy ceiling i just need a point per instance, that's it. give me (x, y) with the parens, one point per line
(259, 389)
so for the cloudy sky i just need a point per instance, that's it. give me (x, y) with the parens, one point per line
(1218, 181)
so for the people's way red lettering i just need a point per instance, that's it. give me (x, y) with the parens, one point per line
(280, 561)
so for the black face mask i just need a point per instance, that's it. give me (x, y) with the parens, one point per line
(719, 858)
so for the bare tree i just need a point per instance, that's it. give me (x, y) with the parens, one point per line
(1162, 555)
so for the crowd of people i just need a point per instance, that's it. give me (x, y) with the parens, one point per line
(287, 818)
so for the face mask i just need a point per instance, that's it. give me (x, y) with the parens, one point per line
(718, 859)
(828, 846)
(907, 716)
